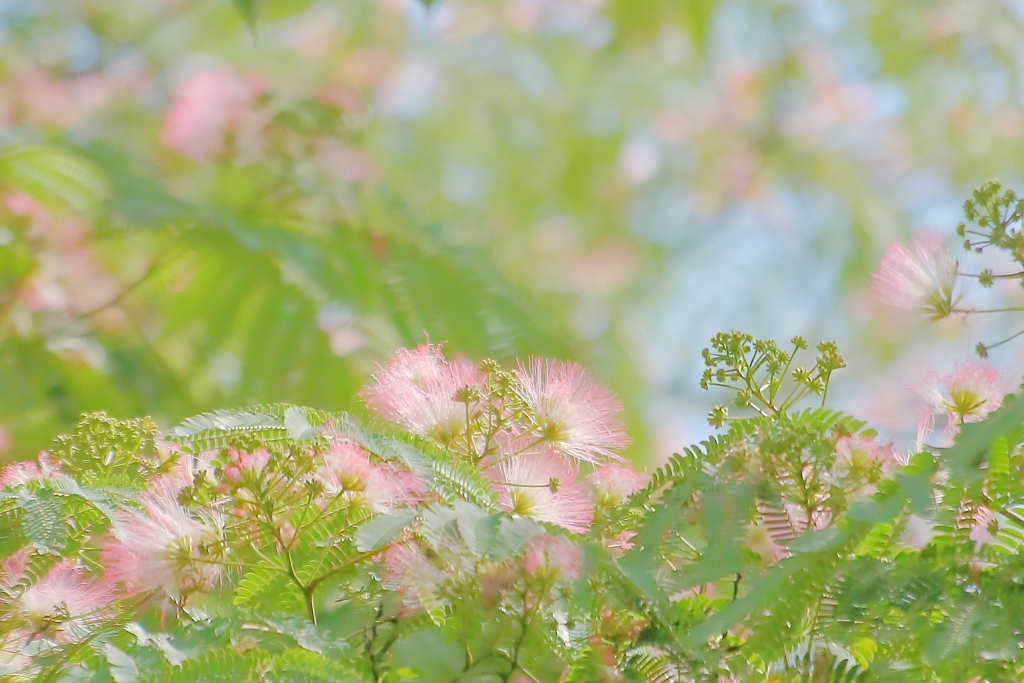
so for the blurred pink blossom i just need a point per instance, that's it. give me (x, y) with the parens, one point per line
(19, 473)
(161, 549)
(614, 483)
(919, 278)
(347, 470)
(553, 556)
(63, 602)
(12, 567)
(625, 540)
(409, 572)
(760, 541)
(859, 453)
(209, 108)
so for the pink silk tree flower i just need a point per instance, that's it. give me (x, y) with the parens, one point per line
(419, 389)
(163, 549)
(625, 540)
(13, 567)
(346, 467)
(919, 278)
(65, 601)
(615, 483)
(170, 484)
(541, 484)
(242, 464)
(13, 650)
(410, 573)
(572, 412)
(968, 394)
(860, 453)
(206, 110)
(552, 556)
(348, 471)
(20, 473)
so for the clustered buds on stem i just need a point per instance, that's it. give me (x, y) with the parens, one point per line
(757, 371)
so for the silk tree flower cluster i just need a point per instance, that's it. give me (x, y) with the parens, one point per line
(541, 441)
(530, 430)
(483, 524)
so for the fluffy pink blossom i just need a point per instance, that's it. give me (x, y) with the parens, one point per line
(347, 470)
(65, 600)
(242, 464)
(919, 278)
(178, 470)
(615, 483)
(410, 573)
(13, 650)
(207, 109)
(12, 568)
(967, 394)
(625, 540)
(552, 556)
(577, 417)
(541, 484)
(19, 473)
(164, 549)
(860, 453)
(970, 392)
(417, 389)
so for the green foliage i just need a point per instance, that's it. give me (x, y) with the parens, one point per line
(54, 174)
(774, 551)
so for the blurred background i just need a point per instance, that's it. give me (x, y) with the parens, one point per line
(207, 203)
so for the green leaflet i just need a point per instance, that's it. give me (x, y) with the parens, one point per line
(257, 580)
(513, 533)
(257, 424)
(123, 668)
(302, 666)
(221, 665)
(452, 479)
(378, 532)
(42, 518)
(249, 9)
(53, 175)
